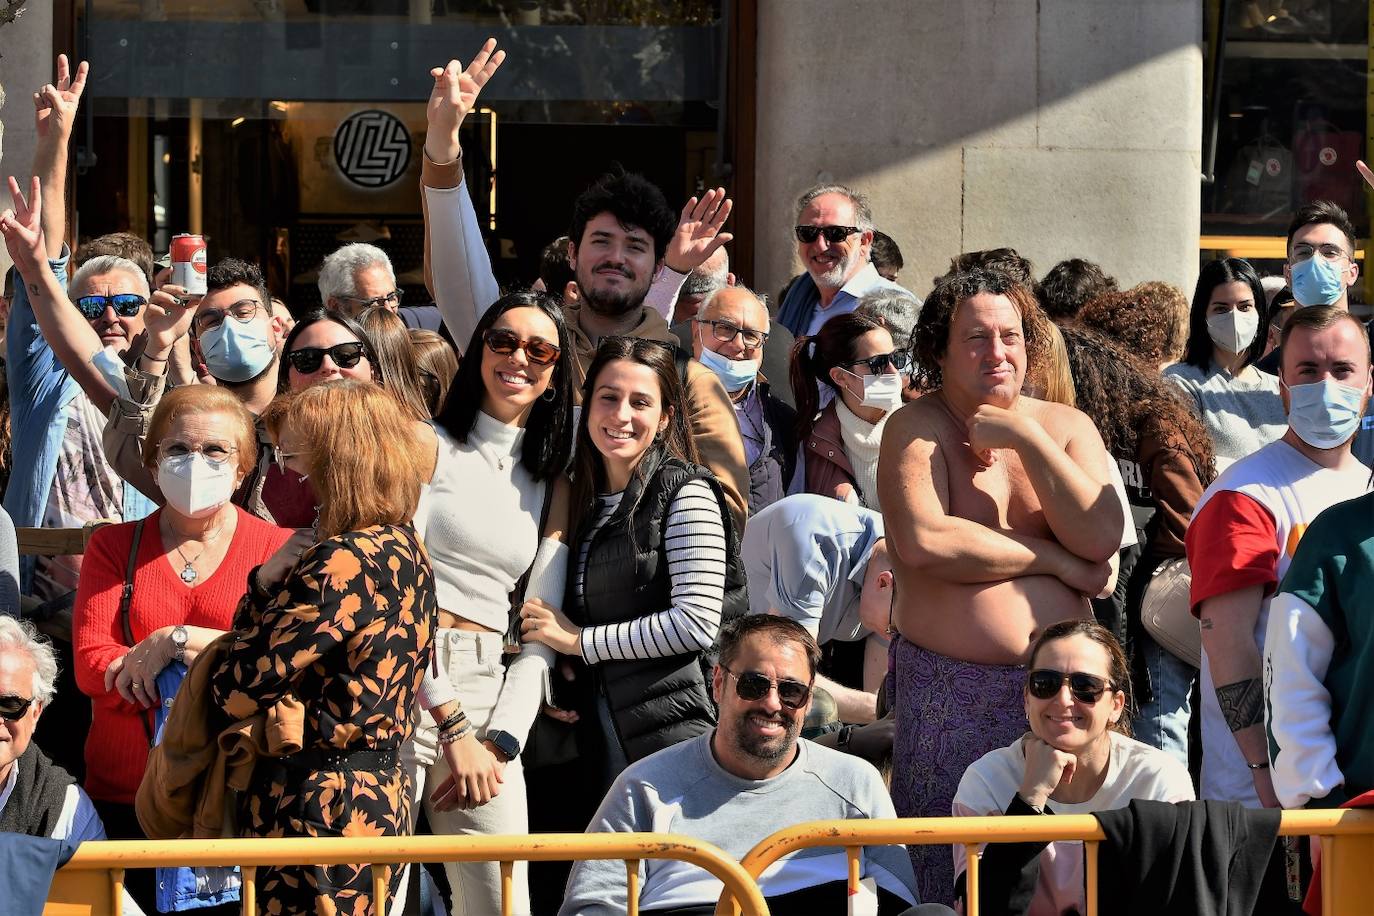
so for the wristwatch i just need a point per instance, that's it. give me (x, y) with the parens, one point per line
(179, 642)
(505, 742)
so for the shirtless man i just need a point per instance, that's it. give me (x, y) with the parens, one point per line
(1000, 520)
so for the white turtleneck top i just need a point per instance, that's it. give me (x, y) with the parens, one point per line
(861, 443)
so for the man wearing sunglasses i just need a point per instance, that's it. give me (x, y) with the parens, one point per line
(235, 339)
(741, 782)
(37, 797)
(834, 232)
(1001, 520)
(65, 349)
(623, 236)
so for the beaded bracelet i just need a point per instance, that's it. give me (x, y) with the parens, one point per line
(456, 734)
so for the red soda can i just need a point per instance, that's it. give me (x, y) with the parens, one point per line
(188, 263)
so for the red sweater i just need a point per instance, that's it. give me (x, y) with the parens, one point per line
(117, 748)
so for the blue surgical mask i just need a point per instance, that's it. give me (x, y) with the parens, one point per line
(1324, 414)
(1317, 281)
(236, 351)
(734, 374)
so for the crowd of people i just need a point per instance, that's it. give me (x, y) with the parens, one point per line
(638, 548)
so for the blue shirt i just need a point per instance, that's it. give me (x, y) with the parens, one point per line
(806, 557)
(40, 390)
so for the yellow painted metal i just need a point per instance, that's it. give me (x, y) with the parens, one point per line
(631, 887)
(507, 888)
(117, 891)
(973, 858)
(99, 856)
(249, 892)
(380, 874)
(1258, 247)
(1090, 849)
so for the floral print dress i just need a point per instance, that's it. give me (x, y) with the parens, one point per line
(349, 633)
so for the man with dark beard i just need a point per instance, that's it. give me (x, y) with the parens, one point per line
(733, 787)
(623, 235)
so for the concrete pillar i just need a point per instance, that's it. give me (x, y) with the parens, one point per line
(1062, 128)
(28, 63)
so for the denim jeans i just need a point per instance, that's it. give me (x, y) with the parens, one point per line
(1162, 721)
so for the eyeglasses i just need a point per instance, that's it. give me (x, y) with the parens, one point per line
(833, 234)
(209, 319)
(393, 296)
(1328, 251)
(125, 305)
(897, 359)
(727, 331)
(12, 708)
(1044, 683)
(503, 343)
(309, 359)
(216, 454)
(753, 686)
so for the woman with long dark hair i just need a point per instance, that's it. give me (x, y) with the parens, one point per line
(654, 573)
(1165, 455)
(1238, 403)
(505, 438)
(854, 360)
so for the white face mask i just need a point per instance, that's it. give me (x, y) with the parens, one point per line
(882, 392)
(196, 487)
(1235, 330)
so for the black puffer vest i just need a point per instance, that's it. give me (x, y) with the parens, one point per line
(654, 703)
(771, 472)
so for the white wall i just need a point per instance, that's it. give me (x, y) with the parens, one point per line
(27, 63)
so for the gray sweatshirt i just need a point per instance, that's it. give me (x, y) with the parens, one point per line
(683, 790)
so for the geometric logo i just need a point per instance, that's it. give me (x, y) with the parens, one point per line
(372, 148)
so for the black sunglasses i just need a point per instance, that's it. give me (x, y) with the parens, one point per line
(13, 708)
(309, 359)
(125, 305)
(503, 342)
(753, 686)
(1044, 683)
(897, 359)
(833, 234)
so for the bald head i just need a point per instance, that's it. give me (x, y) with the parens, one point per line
(713, 274)
(736, 306)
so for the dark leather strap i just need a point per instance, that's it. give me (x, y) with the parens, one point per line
(126, 598)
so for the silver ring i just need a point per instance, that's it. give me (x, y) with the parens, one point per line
(138, 687)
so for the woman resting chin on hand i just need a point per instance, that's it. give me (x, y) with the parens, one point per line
(1078, 758)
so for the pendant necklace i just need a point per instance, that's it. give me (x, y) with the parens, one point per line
(188, 572)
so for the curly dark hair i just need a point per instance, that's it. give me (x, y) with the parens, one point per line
(1150, 320)
(930, 337)
(1070, 285)
(231, 272)
(633, 200)
(1006, 260)
(1127, 399)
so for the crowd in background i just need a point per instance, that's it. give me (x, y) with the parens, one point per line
(637, 547)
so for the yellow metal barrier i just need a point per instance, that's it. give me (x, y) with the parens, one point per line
(92, 882)
(1347, 843)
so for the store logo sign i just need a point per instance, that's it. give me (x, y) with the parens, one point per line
(372, 148)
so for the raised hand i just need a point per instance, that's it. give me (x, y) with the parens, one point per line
(455, 93)
(55, 105)
(1046, 768)
(22, 225)
(698, 234)
(168, 317)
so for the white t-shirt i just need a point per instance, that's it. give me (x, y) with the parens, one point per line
(1135, 770)
(1294, 490)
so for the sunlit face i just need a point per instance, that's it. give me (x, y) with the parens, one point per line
(614, 265)
(293, 452)
(626, 412)
(323, 335)
(116, 331)
(1322, 240)
(1064, 721)
(211, 433)
(832, 264)
(850, 378)
(218, 306)
(985, 360)
(512, 382)
(372, 284)
(1235, 296)
(736, 308)
(1337, 352)
(761, 730)
(16, 679)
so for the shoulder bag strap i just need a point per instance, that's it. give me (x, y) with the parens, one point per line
(126, 598)
(517, 595)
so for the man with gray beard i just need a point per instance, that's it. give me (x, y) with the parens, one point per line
(749, 777)
(834, 233)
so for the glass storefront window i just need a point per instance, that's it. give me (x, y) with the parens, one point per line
(283, 128)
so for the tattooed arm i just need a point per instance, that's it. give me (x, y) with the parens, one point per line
(1228, 635)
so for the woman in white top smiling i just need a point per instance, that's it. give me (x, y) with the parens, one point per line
(1078, 758)
(504, 441)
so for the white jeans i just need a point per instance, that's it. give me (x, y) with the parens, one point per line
(473, 662)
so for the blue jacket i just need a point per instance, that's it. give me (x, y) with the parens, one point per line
(40, 390)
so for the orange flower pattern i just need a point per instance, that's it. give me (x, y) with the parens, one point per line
(349, 633)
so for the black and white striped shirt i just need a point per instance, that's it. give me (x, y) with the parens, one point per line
(694, 536)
